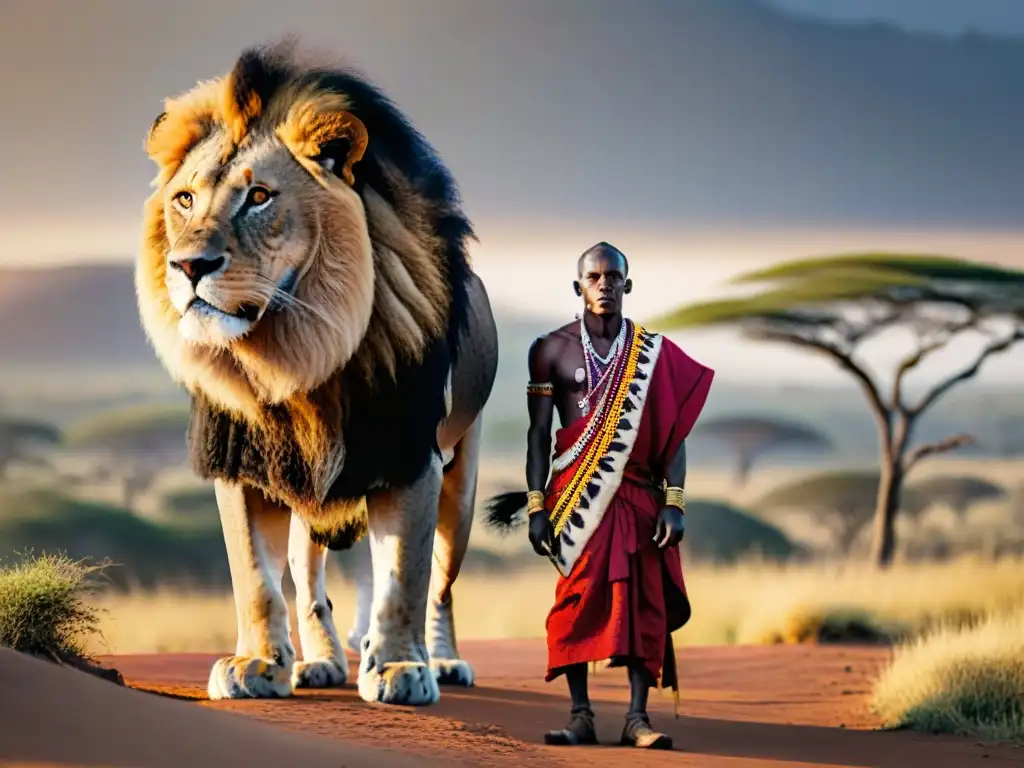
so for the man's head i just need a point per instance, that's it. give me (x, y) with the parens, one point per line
(602, 279)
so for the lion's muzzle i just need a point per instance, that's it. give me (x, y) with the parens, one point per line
(196, 267)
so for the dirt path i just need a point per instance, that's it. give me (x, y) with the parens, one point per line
(741, 707)
(52, 716)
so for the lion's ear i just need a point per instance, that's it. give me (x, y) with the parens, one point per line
(334, 138)
(152, 132)
(184, 122)
(156, 124)
(340, 139)
(336, 157)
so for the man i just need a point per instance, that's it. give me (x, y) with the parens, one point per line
(611, 517)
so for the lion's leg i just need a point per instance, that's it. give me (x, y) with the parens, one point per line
(256, 537)
(323, 664)
(362, 567)
(395, 668)
(454, 523)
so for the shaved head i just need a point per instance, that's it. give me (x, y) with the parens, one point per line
(601, 279)
(606, 250)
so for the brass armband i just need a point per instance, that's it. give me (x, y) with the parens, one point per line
(534, 502)
(675, 497)
(544, 388)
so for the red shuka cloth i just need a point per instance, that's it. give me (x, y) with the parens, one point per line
(624, 597)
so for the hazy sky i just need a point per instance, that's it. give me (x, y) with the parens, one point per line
(703, 136)
(718, 115)
(1004, 17)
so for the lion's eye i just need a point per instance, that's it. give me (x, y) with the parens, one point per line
(184, 200)
(258, 196)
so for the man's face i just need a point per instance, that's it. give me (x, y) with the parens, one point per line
(602, 282)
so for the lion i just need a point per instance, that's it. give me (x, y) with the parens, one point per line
(304, 275)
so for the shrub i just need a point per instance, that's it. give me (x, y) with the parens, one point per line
(826, 624)
(717, 532)
(44, 608)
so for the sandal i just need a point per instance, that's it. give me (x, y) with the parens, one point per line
(580, 730)
(638, 733)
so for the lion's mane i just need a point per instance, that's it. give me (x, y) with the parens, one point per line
(372, 423)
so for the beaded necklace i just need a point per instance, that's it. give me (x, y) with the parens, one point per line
(601, 432)
(596, 377)
(613, 374)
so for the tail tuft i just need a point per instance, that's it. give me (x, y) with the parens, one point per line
(505, 512)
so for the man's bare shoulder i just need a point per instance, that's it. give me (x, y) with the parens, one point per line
(554, 342)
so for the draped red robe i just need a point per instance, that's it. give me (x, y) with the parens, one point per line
(624, 597)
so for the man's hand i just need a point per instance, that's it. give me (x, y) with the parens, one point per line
(542, 534)
(669, 530)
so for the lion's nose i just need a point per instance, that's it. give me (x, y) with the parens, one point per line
(195, 268)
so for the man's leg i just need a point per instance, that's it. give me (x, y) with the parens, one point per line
(580, 729)
(638, 731)
(639, 688)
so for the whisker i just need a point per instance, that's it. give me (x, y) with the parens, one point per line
(293, 302)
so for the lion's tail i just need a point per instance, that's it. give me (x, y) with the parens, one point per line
(505, 512)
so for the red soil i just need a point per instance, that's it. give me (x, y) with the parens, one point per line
(741, 707)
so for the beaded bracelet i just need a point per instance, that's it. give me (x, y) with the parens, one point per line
(545, 389)
(674, 497)
(534, 501)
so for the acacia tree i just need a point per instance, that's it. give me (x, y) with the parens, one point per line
(834, 306)
(134, 444)
(751, 436)
(958, 492)
(844, 502)
(19, 437)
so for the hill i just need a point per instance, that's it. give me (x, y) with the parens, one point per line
(72, 343)
(71, 315)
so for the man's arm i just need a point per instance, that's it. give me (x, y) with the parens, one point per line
(541, 405)
(670, 522)
(540, 401)
(675, 474)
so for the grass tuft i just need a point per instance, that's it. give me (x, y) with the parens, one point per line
(842, 603)
(829, 624)
(44, 607)
(966, 680)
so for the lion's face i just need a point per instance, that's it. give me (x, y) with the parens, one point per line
(240, 235)
(263, 272)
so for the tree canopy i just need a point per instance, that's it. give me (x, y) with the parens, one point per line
(135, 443)
(20, 436)
(844, 501)
(718, 532)
(832, 306)
(750, 436)
(958, 492)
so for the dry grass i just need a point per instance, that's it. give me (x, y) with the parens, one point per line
(753, 603)
(966, 680)
(795, 604)
(45, 606)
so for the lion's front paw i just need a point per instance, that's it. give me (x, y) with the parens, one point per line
(455, 672)
(320, 673)
(240, 677)
(405, 683)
